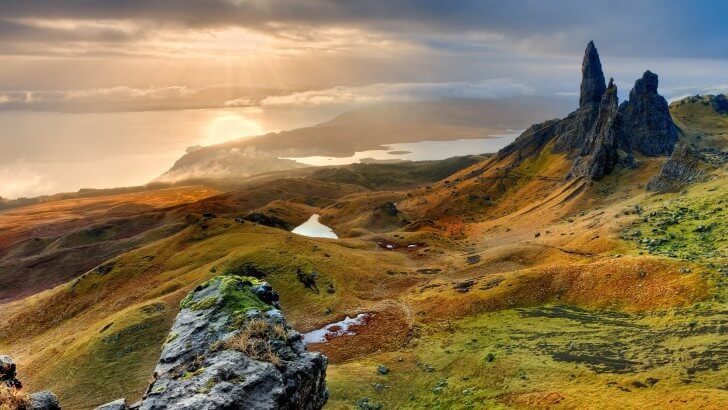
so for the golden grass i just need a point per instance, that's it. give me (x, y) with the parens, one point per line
(254, 339)
(13, 399)
(544, 241)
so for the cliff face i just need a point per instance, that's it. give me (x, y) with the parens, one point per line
(594, 133)
(230, 348)
(647, 126)
(599, 152)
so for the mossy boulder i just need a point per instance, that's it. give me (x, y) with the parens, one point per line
(206, 362)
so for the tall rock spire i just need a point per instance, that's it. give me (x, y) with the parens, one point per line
(592, 77)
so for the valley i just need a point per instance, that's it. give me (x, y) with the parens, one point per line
(545, 275)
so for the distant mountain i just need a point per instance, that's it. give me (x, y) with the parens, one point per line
(363, 129)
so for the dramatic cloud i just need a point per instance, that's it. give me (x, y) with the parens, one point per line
(662, 28)
(399, 92)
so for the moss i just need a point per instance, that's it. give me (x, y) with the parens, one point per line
(171, 337)
(206, 303)
(186, 301)
(236, 295)
(189, 375)
(209, 384)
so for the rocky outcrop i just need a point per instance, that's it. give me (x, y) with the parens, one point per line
(601, 134)
(230, 348)
(43, 400)
(647, 126)
(599, 152)
(683, 167)
(267, 220)
(572, 130)
(8, 373)
(592, 79)
(719, 103)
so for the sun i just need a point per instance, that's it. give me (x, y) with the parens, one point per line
(229, 126)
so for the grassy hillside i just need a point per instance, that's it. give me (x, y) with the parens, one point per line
(522, 290)
(388, 176)
(700, 122)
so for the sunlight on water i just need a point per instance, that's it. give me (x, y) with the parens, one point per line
(419, 151)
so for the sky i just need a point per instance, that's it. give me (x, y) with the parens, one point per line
(95, 84)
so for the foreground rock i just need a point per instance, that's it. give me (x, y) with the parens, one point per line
(230, 348)
(43, 400)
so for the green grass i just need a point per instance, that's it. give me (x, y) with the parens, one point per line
(691, 227)
(577, 357)
(700, 123)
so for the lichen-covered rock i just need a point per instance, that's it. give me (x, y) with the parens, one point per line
(646, 124)
(44, 400)
(683, 167)
(114, 405)
(599, 153)
(228, 349)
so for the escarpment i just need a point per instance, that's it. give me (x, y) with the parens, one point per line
(231, 348)
(600, 132)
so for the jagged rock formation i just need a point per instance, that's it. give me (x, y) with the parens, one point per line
(572, 129)
(647, 126)
(592, 81)
(599, 152)
(684, 166)
(230, 348)
(43, 400)
(599, 134)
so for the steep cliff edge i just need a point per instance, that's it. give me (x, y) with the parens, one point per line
(230, 347)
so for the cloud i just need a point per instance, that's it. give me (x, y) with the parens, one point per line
(124, 98)
(395, 92)
(532, 25)
(17, 180)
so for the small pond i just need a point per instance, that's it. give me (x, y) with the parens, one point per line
(314, 229)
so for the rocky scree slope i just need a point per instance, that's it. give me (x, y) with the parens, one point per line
(230, 347)
(600, 133)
